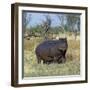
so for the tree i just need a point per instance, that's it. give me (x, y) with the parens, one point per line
(26, 18)
(46, 24)
(73, 23)
(62, 18)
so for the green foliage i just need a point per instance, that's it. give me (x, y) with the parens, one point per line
(40, 31)
(36, 29)
(73, 21)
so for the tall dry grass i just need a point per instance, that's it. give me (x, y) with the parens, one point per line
(33, 69)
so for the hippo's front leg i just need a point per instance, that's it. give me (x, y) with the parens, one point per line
(63, 59)
(38, 59)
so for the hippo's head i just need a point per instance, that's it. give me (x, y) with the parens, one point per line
(63, 39)
(62, 45)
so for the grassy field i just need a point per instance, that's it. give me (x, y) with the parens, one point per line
(70, 67)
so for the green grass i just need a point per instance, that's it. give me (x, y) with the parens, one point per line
(33, 69)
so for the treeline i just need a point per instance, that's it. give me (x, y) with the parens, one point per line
(68, 23)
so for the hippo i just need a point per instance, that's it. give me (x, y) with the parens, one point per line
(52, 51)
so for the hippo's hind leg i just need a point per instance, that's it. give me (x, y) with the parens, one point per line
(63, 59)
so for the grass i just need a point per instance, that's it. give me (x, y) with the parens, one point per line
(33, 69)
